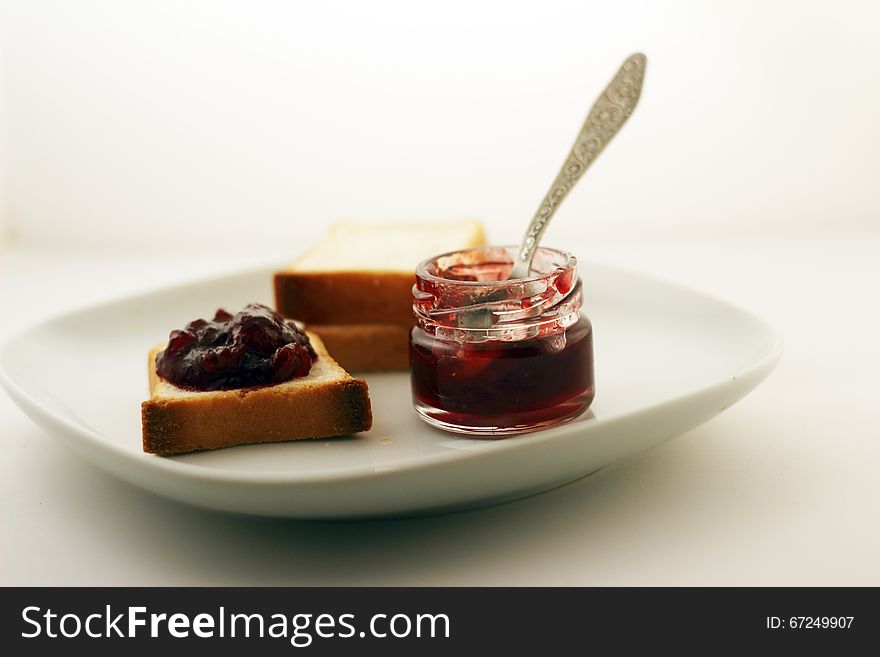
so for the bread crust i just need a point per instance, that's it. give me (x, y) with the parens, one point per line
(332, 298)
(223, 418)
(367, 347)
(380, 294)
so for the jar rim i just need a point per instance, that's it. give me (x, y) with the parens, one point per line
(568, 261)
(506, 309)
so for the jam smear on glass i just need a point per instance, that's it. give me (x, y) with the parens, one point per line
(254, 347)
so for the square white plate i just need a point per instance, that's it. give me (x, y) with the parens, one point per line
(667, 359)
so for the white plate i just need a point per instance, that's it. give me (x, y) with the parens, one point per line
(667, 359)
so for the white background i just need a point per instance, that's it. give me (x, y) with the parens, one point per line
(143, 143)
(163, 121)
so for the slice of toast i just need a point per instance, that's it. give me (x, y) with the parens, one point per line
(363, 273)
(326, 402)
(367, 347)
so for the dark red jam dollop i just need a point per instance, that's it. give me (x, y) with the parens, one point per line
(254, 347)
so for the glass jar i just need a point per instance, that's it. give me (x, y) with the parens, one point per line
(494, 357)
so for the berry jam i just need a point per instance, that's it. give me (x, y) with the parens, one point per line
(492, 355)
(253, 347)
(502, 386)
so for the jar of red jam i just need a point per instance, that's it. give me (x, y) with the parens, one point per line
(492, 356)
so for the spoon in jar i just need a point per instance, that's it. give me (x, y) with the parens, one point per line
(605, 119)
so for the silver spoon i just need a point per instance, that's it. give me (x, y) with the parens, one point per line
(605, 119)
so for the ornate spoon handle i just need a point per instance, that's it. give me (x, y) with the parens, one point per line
(605, 119)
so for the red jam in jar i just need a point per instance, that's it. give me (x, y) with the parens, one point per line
(492, 356)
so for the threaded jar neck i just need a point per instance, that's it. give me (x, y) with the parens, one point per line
(467, 296)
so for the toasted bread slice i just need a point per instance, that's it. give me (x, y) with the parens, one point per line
(326, 402)
(364, 273)
(367, 347)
